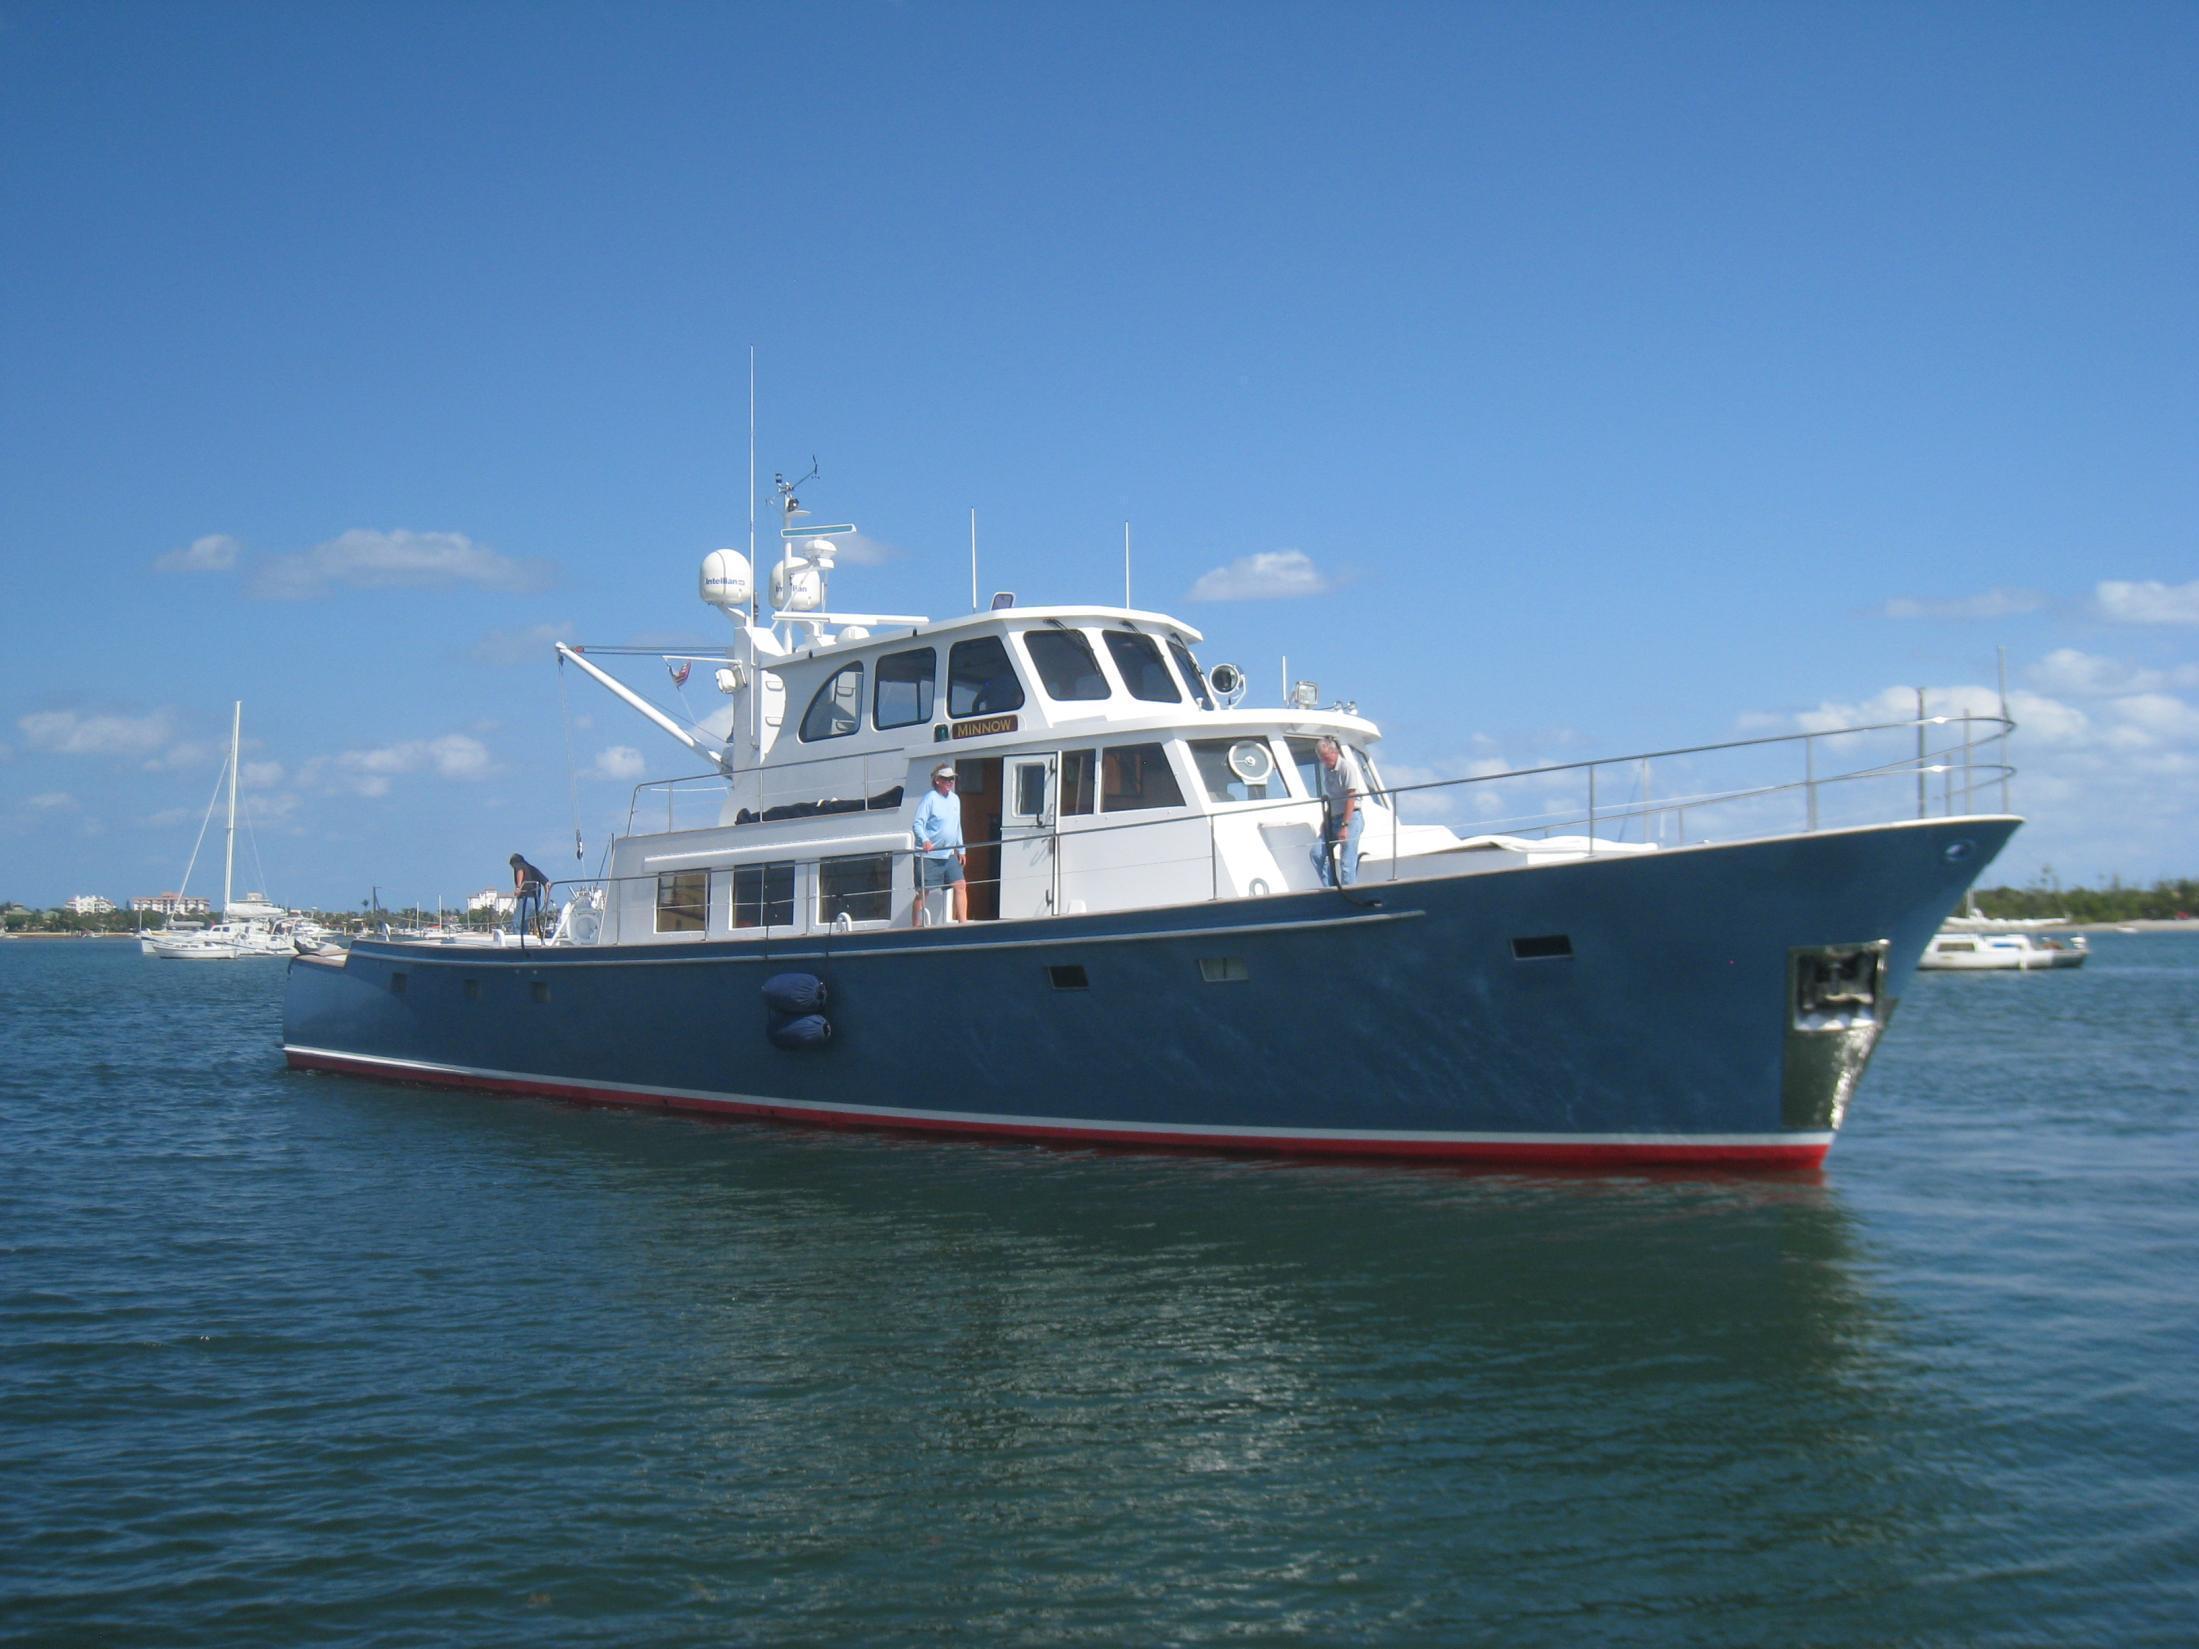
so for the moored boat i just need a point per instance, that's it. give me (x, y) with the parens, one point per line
(1975, 950)
(1974, 942)
(1154, 952)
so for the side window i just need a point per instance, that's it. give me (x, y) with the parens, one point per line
(1305, 757)
(1219, 761)
(1078, 770)
(980, 680)
(859, 886)
(1193, 677)
(1065, 665)
(1143, 669)
(1029, 801)
(763, 895)
(904, 692)
(837, 710)
(1367, 779)
(683, 900)
(1135, 776)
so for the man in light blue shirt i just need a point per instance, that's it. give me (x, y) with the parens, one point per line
(939, 858)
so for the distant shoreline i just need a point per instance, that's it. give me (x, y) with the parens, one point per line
(73, 935)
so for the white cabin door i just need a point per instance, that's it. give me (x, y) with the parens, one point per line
(1027, 858)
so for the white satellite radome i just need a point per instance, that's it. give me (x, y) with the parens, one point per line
(796, 586)
(726, 581)
(854, 632)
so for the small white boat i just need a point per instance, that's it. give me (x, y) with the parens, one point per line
(1968, 949)
(191, 947)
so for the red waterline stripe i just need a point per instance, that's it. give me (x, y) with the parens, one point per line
(1601, 1154)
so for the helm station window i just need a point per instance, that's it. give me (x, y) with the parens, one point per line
(1137, 776)
(905, 686)
(1079, 780)
(1239, 770)
(1143, 669)
(1065, 664)
(980, 679)
(1193, 677)
(837, 710)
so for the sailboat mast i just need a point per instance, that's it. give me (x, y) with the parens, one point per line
(229, 861)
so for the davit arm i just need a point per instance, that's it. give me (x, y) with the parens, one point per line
(621, 690)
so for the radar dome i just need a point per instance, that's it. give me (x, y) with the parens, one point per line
(726, 581)
(796, 587)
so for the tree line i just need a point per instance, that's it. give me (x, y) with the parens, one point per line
(2164, 901)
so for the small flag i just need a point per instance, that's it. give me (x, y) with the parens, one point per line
(679, 674)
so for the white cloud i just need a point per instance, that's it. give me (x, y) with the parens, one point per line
(621, 761)
(368, 772)
(2147, 721)
(261, 775)
(528, 646)
(215, 553)
(2036, 715)
(53, 801)
(1995, 603)
(391, 560)
(98, 733)
(2086, 675)
(862, 550)
(185, 756)
(2147, 603)
(1268, 576)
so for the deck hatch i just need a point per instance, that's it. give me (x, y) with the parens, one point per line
(1541, 947)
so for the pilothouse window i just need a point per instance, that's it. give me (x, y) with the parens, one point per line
(1223, 764)
(837, 710)
(1065, 663)
(904, 692)
(1136, 776)
(1193, 677)
(980, 679)
(1078, 780)
(1144, 671)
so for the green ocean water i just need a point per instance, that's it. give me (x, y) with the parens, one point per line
(290, 1359)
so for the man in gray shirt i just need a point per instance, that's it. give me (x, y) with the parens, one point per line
(1336, 855)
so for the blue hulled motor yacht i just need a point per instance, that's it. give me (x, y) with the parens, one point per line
(1153, 953)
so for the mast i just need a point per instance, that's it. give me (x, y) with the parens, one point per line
(229, 859)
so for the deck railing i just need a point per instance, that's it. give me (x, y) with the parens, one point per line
(1941, 765)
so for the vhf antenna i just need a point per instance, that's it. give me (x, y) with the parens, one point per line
(788, 506)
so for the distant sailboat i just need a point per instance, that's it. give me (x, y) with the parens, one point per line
(250, 926)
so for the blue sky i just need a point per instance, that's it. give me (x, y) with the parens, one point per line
(1552, 380)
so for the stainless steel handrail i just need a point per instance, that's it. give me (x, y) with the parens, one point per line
(1926, 764)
